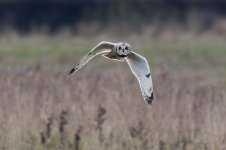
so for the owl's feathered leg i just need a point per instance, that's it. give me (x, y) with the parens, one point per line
(112, 56)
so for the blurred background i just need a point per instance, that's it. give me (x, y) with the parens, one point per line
(101, 106)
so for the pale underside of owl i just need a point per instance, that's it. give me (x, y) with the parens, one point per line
(122, 51)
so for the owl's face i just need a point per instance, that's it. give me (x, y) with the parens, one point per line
(122, 49)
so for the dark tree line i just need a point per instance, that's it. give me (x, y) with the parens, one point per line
(55, 14)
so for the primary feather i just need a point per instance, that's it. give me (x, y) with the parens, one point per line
(101, 48)
(140, 68)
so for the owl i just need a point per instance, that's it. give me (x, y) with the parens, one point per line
(123, 51)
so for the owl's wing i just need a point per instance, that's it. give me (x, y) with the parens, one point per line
(102, 47)
(140, 68)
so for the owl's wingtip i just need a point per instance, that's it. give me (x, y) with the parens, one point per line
(149, 99)
(72, 71)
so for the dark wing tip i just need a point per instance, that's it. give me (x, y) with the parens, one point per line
(149, 99)
(72, 70)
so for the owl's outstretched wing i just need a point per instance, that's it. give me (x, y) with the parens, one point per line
(102, 47)
(140, 68)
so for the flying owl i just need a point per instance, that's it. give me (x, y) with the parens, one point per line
(122, 51)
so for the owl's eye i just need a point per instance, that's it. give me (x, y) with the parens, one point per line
(120, 48)
(126, 48)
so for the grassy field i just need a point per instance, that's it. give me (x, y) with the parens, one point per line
(101, 107)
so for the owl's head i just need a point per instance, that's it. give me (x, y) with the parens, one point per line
(122, 49)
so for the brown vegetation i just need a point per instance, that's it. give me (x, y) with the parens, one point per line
(43, 108)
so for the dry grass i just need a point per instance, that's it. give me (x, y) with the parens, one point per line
(42, 108)
(101, 106)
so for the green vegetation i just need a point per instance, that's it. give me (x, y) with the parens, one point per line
(188, 56)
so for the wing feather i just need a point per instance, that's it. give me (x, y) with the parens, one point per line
(140, 68)
(102, 47)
